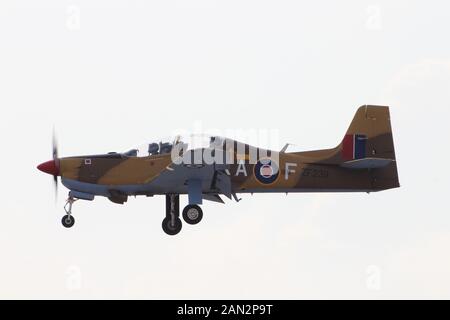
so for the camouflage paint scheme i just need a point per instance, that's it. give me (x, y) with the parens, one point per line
(118, 176)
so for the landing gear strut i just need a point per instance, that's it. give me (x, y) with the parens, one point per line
(68, 221)
(172, 222)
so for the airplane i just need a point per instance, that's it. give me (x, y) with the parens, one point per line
(364, 161)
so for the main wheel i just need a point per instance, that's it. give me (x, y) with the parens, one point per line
(169, 228)
(192, 214)
(68, 221)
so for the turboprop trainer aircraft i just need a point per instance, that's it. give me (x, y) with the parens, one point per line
(364, 161)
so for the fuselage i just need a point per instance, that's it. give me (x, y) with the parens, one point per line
(117, 174)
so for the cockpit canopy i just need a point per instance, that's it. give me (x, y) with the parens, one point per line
(165, 146)
(159, 148)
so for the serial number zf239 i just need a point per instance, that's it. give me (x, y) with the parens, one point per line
(315, 173)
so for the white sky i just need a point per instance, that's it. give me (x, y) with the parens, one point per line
(111, 74)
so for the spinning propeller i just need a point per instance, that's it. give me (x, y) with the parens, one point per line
(52, 166)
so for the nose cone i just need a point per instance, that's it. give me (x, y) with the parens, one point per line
(50, 167)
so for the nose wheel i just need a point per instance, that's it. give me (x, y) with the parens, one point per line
(68, 220)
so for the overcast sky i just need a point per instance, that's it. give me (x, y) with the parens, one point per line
(112, 74)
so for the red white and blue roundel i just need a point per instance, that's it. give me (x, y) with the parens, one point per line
(266, 171)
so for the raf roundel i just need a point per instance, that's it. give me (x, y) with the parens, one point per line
(266, 171)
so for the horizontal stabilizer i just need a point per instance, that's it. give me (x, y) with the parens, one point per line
(367, 163)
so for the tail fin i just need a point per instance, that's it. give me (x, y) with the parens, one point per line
(368, 144)
(369, 135)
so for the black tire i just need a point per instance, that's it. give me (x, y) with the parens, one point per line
(170, 229)
(68, 221)
(192, 214)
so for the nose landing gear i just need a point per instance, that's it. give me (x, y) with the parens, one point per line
(68, 221)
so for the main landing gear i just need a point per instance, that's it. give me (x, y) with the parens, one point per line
(192, 214)
(172, 223)
(68, 220)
